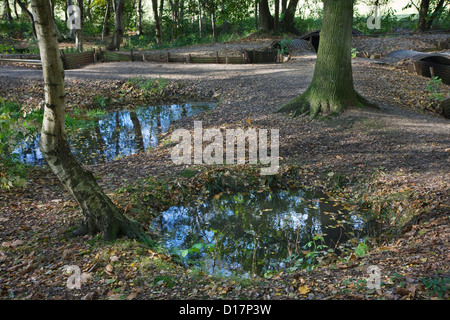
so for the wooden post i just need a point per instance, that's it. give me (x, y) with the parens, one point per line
(143, 58)
(188, 58)
(226, 60)
(217, 57)
(131, 55)
(168, 57)
(94, 52)
(432, 72)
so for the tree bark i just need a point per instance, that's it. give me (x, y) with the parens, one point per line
(105, 28)
(276, 22)
(331, 90)
(423, 14)
(118, 25)
(100, 214)
(200, 26)
(7, 11)
(288, 24)
(435, 13)
(157, 22)
(214, 25)
(256, 15)
(265, 18)
(139, 17)
(78, 32)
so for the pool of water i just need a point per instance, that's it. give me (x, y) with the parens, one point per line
(116, 134)
(252, 233)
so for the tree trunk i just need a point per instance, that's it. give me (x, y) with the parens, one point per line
(331, 90)
(265, 18)
(276, 22)
(78, 32)
(139, 17)
(288, 24)
(7, 11)
(214, 25)
(118, 25)
(423, 15)
(105, 28)
(256, 15)
(200, 26)
(100, 214)
(435, 13)
(161, 9)
(283, 6)
(157, 22)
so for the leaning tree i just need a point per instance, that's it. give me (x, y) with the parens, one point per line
(100, 214)
(331, 90)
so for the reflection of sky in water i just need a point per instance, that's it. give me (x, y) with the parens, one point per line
(116, 134)
(276, 222)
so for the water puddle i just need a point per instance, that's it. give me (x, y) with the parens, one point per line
(116, 134)
(253, 233)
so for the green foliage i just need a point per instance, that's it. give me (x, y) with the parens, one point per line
(284, 46)
(101, 102)
(15, 126)
(148, 85)
(437, 286)
(361, 249)
(308, 259)
(433, 88)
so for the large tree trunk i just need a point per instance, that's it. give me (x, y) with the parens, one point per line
(288, 18)
(331, 90)
(157, 22)
(423, 14)
(266, 20)
(100, 214)
(118, 25)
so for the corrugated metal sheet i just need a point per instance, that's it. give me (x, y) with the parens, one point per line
(424, 63)
(296, 45)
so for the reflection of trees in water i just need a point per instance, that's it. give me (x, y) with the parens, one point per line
(117, 133)
(251, 231)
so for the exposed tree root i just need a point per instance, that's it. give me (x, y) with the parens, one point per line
(315, 105)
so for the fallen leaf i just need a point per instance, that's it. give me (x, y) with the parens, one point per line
(304, 289)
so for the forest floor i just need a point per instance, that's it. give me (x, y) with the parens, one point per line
(393, 161)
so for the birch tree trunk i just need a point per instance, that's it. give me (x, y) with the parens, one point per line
(100, 214)
(331, 90)
(139, 17)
